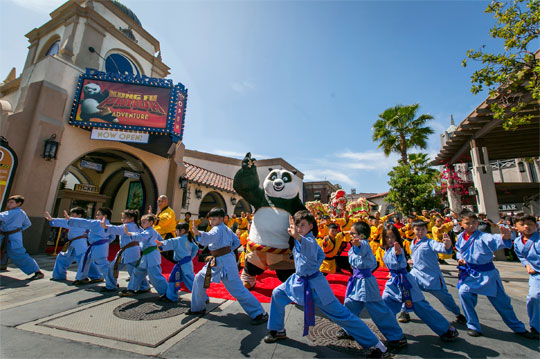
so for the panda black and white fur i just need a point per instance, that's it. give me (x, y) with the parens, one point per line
(274, 203)
(90, 104)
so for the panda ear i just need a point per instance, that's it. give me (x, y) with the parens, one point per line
(270, 169)
(294, 172)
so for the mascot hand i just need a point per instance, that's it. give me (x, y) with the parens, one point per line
(248, 162)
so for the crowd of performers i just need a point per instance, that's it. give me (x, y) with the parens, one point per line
(411, 252)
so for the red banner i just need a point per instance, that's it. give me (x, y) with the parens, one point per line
(123, 104)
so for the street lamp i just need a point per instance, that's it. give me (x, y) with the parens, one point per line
(183, 182)
(198, 193)
(233, 201)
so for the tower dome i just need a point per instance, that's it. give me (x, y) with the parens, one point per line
(126, 11)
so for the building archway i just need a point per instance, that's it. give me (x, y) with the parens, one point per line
(209, 201)
(106, 178)
(241, 206)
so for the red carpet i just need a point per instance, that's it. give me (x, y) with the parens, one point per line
(266, 282)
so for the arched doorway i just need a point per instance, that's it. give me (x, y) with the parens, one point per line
(106, 178)
(209, 201)
(241, 206)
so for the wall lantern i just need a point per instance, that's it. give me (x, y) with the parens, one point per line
(472, 191)
(521, 166)
(50, 149)
(198, 193)
(183, 182)
(233, 201)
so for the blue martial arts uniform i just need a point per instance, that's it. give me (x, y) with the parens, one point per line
(363, 290)
(77, 248)
(401, 282)
(149, 263)
(11, 220)
(308, 256)
(94, 262)
(184, 252)
(480, 276)
(224, 271)
(427, 273)
(130, 256)
(529, 253)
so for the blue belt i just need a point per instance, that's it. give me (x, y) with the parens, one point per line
(97, 243)
(473, 270)
(399, 278)
(176, 273)
(357, 274)
(309, 305)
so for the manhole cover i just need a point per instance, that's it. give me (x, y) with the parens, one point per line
(149, 309)
(324, 334)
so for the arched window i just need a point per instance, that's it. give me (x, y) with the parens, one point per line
(53, 49)
(120, 64)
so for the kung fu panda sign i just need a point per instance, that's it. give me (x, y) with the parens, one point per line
(110, 103)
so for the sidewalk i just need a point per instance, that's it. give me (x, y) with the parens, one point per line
(46, 319)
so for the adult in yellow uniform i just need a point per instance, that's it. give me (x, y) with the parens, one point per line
(243, 223)
(330, 245)
(165, 224)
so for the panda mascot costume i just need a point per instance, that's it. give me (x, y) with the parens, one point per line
(269, 244)
(90, 104)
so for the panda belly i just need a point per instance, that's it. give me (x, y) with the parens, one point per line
(269, 227)
(89, 105)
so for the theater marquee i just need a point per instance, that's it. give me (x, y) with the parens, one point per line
(108, 102)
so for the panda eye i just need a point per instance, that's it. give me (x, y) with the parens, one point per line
(286, 177)
(273, 177)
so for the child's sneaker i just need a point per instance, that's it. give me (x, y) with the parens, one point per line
(404, 317)
(37, 275)
(527, 334)
(473, 333)
(397, 344)
(377, 353)
(273, 336)
(450, 335)
(535, 333)
(461, 319)
(260, 319)
(342, 334)
(127, 293)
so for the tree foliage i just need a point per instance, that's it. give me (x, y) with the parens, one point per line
(512, 77)
(398, 129)
(413, 184)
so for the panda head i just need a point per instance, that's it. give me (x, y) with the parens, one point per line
(91, 89)
(281, 184)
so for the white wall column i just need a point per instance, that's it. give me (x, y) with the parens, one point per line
(483, 182)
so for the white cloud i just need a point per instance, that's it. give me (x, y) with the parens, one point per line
(330, 175)
(40, 6)
(242, 87)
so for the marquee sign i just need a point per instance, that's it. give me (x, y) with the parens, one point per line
(129, 104)
(8, 165)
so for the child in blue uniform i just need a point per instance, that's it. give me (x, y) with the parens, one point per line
(402, 288)
(478, 275)
(308, 287)
(426, 270)
(185, 250)
(12, 223)
(150, 261)
(221, 267)
(129, 253)
(363, 290)
(94, 262)
(527, 248)
(77, 245)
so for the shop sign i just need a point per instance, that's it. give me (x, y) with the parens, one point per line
(92, 165)
(8, 165)
(121, 136)
(86, 188)
(141, 104)
(510, 207)
(130, 174)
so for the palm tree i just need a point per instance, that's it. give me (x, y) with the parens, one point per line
(398, 129)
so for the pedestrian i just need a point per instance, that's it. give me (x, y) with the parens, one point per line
(308, 287)
(401, 288)
(478, 275)
(74, 248)
(12, 223)
(221, 267)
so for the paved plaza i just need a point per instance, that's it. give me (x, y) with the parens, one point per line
(46, 319)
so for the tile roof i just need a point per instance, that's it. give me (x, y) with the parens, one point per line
(208, 178)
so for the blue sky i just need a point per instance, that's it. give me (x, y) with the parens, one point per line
(302, 80)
